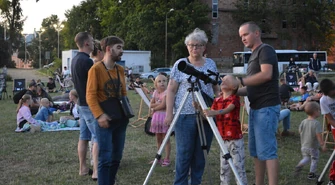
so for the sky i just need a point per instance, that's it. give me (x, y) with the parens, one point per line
(36, 12)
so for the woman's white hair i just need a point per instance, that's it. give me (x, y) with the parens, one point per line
(197, 35)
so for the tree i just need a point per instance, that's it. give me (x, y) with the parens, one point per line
(11, 11)
(79, 19)
(142, 24)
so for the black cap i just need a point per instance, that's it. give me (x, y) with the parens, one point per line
(32, 84)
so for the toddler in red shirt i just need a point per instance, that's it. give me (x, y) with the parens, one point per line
(226, 109)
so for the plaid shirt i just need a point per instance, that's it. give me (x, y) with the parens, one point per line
(228, 124)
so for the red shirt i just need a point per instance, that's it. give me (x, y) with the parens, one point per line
(228, 124)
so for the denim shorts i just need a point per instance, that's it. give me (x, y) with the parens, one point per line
(87, 124)
(263, 125)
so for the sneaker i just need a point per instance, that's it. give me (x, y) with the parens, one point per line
(287, 133)
(26, 127)
(312, 176)
(297, 170)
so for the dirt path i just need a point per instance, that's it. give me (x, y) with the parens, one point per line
(27, 74)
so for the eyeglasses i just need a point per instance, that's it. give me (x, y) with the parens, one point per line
(195, 45)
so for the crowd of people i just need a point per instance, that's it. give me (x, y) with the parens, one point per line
(100, 83)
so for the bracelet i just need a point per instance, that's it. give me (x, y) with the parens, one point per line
(241, 80)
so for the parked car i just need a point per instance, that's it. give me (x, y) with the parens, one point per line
(153, 73)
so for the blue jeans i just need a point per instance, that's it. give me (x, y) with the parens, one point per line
(263, 124)
(111, 144)
(189, 153)
(87, 124)
(285, 116)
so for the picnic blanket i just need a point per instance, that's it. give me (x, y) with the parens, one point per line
(295, 99)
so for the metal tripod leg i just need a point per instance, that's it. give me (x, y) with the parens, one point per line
(166, 138)
(319, 182)
(203, 142)
(218, 138)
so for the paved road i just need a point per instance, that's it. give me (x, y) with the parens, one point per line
(27, 74)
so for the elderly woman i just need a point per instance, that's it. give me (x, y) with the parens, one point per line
(311, 81)
(190, 156)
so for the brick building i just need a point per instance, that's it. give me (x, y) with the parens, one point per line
(225, 38)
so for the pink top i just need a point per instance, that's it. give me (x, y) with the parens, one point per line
(25, 114)
(158, 97)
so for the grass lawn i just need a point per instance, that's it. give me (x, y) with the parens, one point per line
(51, 157)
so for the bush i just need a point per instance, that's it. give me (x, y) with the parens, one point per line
(9, 78)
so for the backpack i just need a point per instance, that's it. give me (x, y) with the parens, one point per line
(19, 95)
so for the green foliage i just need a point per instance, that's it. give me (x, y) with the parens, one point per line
(142, 24)
(84, 17)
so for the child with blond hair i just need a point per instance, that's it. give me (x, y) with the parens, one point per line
(158, 107)
(44, 114)
(226, 109)
(310, 135)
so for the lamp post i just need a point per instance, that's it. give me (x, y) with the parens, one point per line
(166, 35)
(58, 28)
(39, 39)
(25, 47)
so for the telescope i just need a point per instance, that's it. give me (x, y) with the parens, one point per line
(187, 68)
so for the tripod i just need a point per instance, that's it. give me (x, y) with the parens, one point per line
(211, 122)
(330, 160)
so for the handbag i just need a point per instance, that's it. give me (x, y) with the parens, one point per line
(112, 108)
(147, 126)
(116, 107)
(126, 107)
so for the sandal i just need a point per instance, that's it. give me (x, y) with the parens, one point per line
(166, 162)
(158, 162)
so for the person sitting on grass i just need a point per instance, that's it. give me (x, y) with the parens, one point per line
(51, 86)
(285, 116)
(226, 109)
(304, 96)
(310, 133)
(44, 113)
(327, 103)
(26, 122)
(74, 114)
(285, 91)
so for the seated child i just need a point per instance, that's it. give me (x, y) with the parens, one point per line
(310, 133)
(25, 120)
(304, 96)
(226, 108)
(44, 113)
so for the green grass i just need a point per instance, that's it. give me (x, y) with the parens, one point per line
(51, 157)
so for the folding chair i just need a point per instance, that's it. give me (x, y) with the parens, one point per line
(18, 85)
(245, 112)
(140, 117)
(327, 131)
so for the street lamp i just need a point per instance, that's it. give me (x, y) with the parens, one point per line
(25, 47)
(58, 28)
(166, 35)
(39, 39)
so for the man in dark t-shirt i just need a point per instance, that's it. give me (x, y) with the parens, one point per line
(263, 92)
(80, 66)
(32, 92)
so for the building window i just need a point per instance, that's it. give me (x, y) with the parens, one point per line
(284, 24)
(215, 9)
